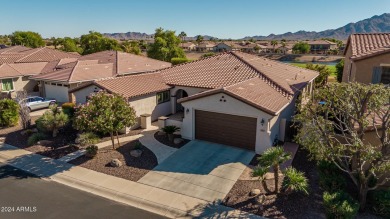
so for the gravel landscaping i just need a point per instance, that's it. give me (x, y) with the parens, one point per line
(54, 147)
(133, 168)
(163, 139)
(295, 205)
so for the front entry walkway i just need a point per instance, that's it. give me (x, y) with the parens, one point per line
(200, 169)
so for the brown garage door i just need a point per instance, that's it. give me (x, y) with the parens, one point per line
(239, 131)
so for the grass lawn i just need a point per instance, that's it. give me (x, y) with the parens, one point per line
(332, 68)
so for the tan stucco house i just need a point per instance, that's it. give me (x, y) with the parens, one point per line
(18, 63)
(71, 73)
(367, 58)
(231, 98)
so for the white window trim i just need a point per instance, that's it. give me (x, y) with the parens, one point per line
(1, 84)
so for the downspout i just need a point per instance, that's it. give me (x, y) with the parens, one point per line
(350, 71)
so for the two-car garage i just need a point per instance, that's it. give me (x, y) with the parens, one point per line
(227, 129)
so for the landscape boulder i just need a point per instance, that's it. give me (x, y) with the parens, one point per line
(45, 143)
(136, 153)
(177, 140)
(115, 163)
(255, 192)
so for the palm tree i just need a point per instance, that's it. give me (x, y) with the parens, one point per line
(199, 39)
(182, 35)
(272, 158)
(284, 46)
(274, 43)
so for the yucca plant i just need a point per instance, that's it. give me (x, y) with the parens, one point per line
(169, 130)
(295, 181)
(54, 119)
(272, 158)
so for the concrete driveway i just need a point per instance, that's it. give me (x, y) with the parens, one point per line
(200, 169)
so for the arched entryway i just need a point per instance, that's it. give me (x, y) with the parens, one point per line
(180, 94)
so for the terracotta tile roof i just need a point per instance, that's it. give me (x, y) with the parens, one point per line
(6, 71)
(234, 67)
(255, 92)
(127, 63)
(132, 85)
(321, 42)
(29, 68)
(368, 45)
(66, 61)
(14, 50)
(130, 63)
(51, 66)
(10, 58)
(86, 70)
(45, 54)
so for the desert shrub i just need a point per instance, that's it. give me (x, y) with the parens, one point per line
(170, 129)
(340, 205)
(207, 55)
(52, 120)
(68, 109)
(34, 138)
(295, 181)
(379, 201)
(176, 61)
(91, 151)
(9, 112)
(88, 138)
(137, 145)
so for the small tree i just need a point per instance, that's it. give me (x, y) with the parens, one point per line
(324, 71)
(199, 39)
(24, 111)
(54, 119)
(339, 70)
(105, 113)
(301, 48)
(272, 158)
(9, 112)
(274, 43)
(336, 132)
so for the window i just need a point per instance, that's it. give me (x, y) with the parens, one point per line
(163, 97)
(7, 85)
(385, 78)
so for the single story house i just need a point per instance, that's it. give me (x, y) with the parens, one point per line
(232, 98)
(18, 63)
(69, 74)
(205, 47)
(367, 58)
(188, 46)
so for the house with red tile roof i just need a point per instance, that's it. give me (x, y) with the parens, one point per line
(18, 63)
(232, 98)
(72, 73)
(367, 58)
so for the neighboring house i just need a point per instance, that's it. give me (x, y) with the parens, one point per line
(228, 46)
(367, 58)
(232, 98)
(69, 74)
(189, 46)
(205, 47)
(321, 46)
(17, 63)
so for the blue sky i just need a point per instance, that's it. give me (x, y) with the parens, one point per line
(219, 18)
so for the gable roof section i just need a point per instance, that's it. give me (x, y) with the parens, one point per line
(6, 71)
(29, 68)
(87, 70)
(130, 63)
(233, 67)
(45, 54)
(368, 45)
(131, 85)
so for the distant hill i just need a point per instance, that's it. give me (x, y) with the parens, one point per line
(374, 24)
(141, 36)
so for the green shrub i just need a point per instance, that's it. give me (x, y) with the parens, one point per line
(295, 181)
(9, 112)
(52, 120)
(379, 202)
(91, 151)
(34, 138)
(40, 125)
(88, 138)
(207, 55)
(170, 129)
(137, 145)
(68, 109)
(176, 61)
(340, 205)
(331, 178)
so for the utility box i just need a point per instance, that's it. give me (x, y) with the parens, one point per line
(146, 121)
(162, 121)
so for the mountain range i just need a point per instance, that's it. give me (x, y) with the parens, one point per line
(375, 24)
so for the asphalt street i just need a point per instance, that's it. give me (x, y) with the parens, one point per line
(23, 195)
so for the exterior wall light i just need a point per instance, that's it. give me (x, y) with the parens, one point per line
(262, 122)
(187, 110)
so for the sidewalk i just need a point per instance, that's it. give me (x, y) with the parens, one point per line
(142, 196)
